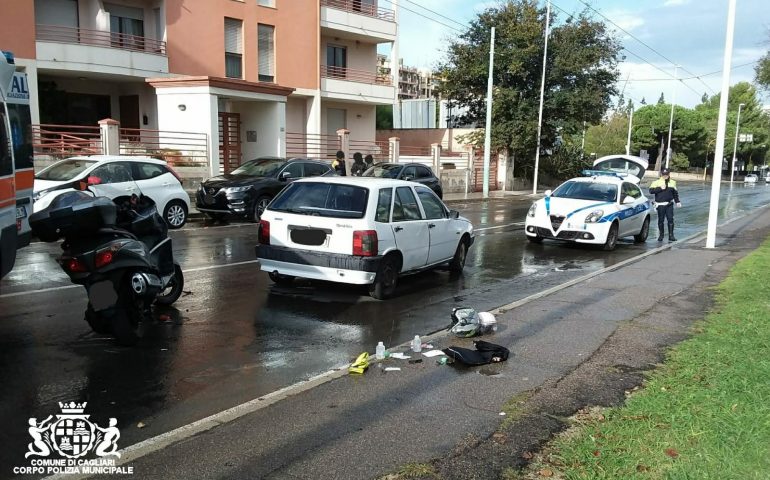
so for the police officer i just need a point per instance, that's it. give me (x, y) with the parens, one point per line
(666, 195)
(339, 163)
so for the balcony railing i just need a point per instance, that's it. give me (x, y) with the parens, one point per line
(349, 74)
(361, 7)
(182, 149)
(59, 34)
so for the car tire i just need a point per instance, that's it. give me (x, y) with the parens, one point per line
(612, 238)
(259, 206)
(535, 239)
(384, 285)
(641, 237)
(281, 280)
(175, 214)
(174, 288)
(457, 263)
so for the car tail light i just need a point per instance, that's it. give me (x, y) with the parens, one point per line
(75, 265)
(365, 243)
(263, 235)
(173, 172)
(103, 258)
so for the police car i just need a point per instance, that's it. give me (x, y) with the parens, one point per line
(598, 208)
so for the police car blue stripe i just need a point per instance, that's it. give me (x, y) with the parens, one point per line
(588, 207)
(626, 213)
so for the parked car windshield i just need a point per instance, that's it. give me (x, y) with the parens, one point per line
(384, 170)
(605, 192)
(322, 199)
(260, 168)
(65, 170)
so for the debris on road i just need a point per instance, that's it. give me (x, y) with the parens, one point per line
(392, 369)
(400, 356)
(360, 365)
(484, 354)
(433, 353)
(466, 322)
(140, 425)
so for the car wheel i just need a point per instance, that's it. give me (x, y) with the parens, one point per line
(280, 280)
(259, 206)
(175, 214)
(458, 261)
(173, 290)
(641, 237)
(612, 238)
(385, 281)
(535, 239)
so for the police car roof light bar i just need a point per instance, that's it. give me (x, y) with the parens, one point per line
(606, 173)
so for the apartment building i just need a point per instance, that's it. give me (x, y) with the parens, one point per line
(244, 72)
(413, 83)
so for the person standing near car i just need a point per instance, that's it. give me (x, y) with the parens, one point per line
(358, 166)
(666, 195)
(369, 161)
(339, 164)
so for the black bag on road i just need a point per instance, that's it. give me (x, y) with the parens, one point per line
(484, 354)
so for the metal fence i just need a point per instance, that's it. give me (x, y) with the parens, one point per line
(61, 141)
(380, 151)
(362, 8)
(183, 149)
(318, 146)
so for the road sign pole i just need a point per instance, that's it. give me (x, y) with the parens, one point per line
(542, 94)
(488, 129)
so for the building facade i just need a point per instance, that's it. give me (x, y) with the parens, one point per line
(413, 83)
(244, 72)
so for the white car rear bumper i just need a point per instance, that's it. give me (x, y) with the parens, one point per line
(328, 274)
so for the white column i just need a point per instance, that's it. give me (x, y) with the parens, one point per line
(435, 151)
(344, 135)
(280, 118)
(109, 130)
(394, 144)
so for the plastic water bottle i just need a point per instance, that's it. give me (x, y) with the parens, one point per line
(416, 344)
(379, 352)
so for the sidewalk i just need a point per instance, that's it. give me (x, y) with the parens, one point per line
(585, 344)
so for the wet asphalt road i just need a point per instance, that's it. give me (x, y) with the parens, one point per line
(235, 336)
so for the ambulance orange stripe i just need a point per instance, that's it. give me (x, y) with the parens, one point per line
(7, 190)
(7, 203)
(25, 179)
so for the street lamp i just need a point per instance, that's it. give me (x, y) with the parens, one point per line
(671, 118)
(735, 145)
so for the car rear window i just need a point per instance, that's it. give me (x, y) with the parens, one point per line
(322, 199)
(605, 192)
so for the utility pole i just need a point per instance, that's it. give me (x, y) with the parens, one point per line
(671, 119)
(488, 129)
(394, 71)
(542, 94)
(583, 141)
(719, 150)
(630, 122)
(735, 145)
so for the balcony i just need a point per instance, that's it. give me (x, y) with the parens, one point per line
(97, 51)
(358, 20)
(348, 84)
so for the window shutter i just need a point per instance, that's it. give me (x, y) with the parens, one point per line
(233, 35)
(266, 50)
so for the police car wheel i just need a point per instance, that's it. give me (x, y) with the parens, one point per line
(612, 238)
(641, 237)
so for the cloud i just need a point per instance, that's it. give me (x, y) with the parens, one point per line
(675, 3)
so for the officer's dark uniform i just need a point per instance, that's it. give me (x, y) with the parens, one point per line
(666, 195)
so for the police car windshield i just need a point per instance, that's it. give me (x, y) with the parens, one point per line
(603, 192)
(65, 170)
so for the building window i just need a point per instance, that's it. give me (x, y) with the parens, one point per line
(126, 25)
(266, 3)
(266, 52)
(336, 60)
(233, 48)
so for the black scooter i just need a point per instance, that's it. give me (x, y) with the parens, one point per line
(119, 250)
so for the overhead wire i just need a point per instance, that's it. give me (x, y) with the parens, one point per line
(401, 6)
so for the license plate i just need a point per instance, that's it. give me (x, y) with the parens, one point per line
(21, 212)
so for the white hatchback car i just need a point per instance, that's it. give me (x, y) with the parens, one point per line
(599, 208)
(115, 176)
(360, 231)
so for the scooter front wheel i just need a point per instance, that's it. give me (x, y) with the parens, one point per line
(174, 288)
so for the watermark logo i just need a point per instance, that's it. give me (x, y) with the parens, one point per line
(71, 436)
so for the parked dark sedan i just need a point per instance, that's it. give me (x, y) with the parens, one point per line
(249, 188)
(414, 172)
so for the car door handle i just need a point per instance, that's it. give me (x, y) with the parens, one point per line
(431, 225)
(398, 229)
(129, 189)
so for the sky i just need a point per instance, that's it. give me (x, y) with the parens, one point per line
(690, 33)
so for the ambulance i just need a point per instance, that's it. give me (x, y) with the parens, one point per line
(16, 162)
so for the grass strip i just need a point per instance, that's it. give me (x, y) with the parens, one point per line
(704, 414)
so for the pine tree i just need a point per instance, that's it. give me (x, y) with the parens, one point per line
(661, 100)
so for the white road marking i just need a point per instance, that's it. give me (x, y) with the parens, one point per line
(498, 226)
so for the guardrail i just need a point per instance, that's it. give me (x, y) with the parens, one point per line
(362, 8)
(99, 38)
(352, 75)
(61, 141)
(184, 149)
